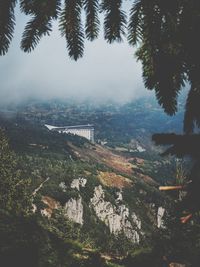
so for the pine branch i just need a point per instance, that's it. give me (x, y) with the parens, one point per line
(115, 20)
(135, 23)
(50, 8)
(34, 30)
(41, 24)
(92, 20)
(192, 110)
(27, 7)
(7, 24)
(71, 28)
(181, 145)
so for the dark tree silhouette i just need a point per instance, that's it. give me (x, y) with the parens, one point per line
(181, 145)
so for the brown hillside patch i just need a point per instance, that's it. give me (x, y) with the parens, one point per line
(117, 162)
(112, 179)
(103, 155)
(51, 203)
(106, 156)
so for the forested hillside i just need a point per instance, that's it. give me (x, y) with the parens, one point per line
(115, 123)
(103, 196)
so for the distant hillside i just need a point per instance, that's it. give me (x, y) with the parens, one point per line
(115, 124)
(107, 192)
(125, 128)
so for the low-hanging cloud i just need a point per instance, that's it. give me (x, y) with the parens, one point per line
(105, 72)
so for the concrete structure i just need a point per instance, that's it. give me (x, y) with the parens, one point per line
(86, 131)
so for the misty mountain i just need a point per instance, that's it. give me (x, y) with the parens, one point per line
(114, 123)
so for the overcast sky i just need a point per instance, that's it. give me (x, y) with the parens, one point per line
(105, 72)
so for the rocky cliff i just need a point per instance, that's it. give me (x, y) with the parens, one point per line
(115, 214)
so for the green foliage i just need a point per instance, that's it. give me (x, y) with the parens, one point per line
(95, 234)
(138, 119)
(115, 20)
(28, 239)
(163, 69)
(110, 264)
(167, 52)
(43, 13)
(14, 193)
(178, 242)
(51, 239)
(143, 257)
(88, 191)
(161, 170)
(95, 259)
(71, 27)
(92, 20)
(192, 110)
(7, 23)
(35, 242)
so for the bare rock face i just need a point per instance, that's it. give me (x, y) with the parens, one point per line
(116, 215)
(77, 183)
(74, 210)
(160, 215)
(119, 197)
(117, 218)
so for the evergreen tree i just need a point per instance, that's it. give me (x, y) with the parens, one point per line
(27, 238)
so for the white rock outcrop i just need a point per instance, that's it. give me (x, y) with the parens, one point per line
(140, 148)
(74, 210)
(63, 186)
(77, 183)
(117, 218)
(119, 196)
(160, 215)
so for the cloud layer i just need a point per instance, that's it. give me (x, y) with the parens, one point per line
(105, 72)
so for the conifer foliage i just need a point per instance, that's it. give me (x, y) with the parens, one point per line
(92, 20)
(26, 237)
(71, 27)
(42, 13)
(115, 20)
(7, 23)
(14, 192)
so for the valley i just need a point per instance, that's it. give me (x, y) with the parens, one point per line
(102, 195)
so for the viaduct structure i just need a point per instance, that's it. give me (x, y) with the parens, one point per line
(86, 131)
